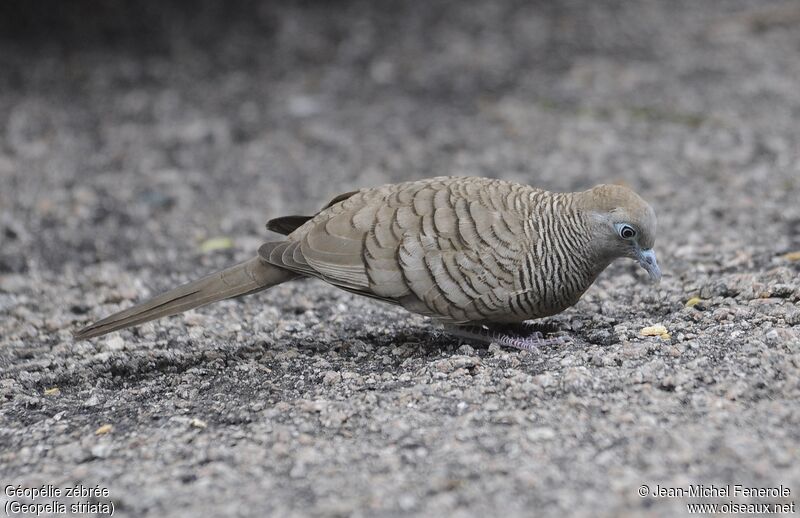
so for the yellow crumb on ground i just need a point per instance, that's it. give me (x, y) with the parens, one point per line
(656, 330)
(216, 243)
(792, 256)
(55, 391)
(692, 302)
(106, 428)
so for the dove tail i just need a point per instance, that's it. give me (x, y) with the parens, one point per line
(242, 279)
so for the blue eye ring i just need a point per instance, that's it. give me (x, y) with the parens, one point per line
(626, 231)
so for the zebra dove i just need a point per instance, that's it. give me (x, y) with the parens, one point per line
(466, 251)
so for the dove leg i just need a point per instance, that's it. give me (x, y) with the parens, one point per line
(523, 336)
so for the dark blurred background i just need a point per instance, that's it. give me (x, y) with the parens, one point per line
(127, 124)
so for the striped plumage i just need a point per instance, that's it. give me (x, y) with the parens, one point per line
(459, 249)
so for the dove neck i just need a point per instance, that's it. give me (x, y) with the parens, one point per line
(567, 233)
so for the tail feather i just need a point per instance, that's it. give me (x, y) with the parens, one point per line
(242, 279)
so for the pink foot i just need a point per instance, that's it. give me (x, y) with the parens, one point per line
(529, 341)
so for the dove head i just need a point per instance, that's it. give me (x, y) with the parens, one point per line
(623, 225)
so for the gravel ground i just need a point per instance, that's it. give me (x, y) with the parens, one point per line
(141, 148)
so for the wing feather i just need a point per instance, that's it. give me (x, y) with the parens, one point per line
(449, 248)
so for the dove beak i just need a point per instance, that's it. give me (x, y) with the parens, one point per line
(647, 260)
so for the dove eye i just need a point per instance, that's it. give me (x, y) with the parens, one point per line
(626, 232)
